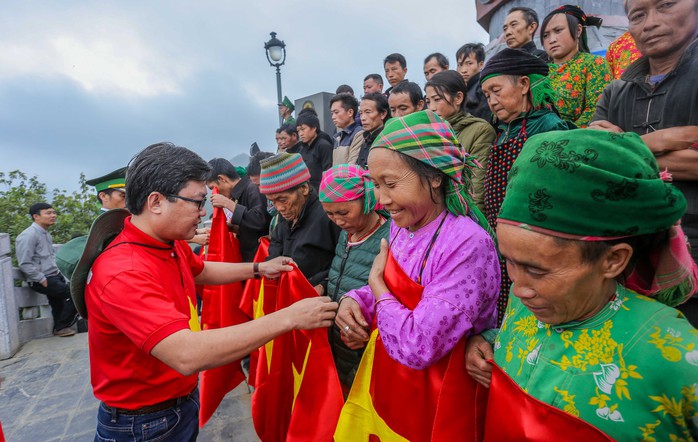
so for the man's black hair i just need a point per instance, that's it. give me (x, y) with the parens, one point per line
(441, 59)
(375, 77)
(392, 58)
(530, 15)
(348, 102)
(309, 120)
(410, 88)
(289, 128)
(380, 101)
(221, 166)
(254, 168)
(36, 208)
(163, 168)
(471, 48)
(344, 89)
(306, 110)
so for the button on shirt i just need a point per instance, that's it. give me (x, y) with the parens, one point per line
(35, 253)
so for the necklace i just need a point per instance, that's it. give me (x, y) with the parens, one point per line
(370, 232)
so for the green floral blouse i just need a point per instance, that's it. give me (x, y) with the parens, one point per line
(579, 83)
(631, 370)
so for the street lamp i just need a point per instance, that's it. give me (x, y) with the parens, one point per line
(276, 56)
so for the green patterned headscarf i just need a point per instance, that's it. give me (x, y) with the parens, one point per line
(593, 185)
(428, 138)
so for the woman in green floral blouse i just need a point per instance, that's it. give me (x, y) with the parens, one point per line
(589, 329)
(577, 76)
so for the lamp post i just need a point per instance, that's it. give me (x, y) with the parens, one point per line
(276, 56)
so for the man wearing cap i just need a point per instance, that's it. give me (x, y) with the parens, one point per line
(111, 194)
(37, 260)
(111, 189)
(138, 293)
(286, 109)
(305, 233)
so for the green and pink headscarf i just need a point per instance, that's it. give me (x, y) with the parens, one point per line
(347, 182)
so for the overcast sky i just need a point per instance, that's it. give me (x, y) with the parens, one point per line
(86, 85)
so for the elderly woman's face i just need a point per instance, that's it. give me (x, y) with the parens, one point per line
(402, 191)
(507, 97)
(551, 279)
(348, 215)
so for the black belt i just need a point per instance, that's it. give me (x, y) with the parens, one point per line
(160, 406)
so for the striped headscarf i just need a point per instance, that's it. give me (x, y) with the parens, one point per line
(428, 138)
(347, 182)
(281, 172)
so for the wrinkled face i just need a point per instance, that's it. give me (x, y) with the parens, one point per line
(557, 40)
(46, 218)
(469, 67)
(506, 98)
(401, 105)
(516, 32)
(445, 106)
(551, 279)
(278, 140)
(286, 140)
(306, 133)
(371, 86)
(661, 28)
(181, 218)
(115, 199)
(370, 117)
(431, 67)
(290, 203)
(401, 190)
(341, 117)
(394, 73)
(348, 215)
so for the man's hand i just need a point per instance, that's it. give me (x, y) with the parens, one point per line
(273, 268)
(44, 283)
(674, 138)
(605, 125)
(219, 200)
(352, 324)
(202, 236)
(477, 352)
(375, 278)
(311, 313)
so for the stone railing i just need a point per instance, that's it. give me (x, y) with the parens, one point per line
(24, 313)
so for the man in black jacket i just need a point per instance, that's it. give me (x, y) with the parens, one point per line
(471, 59)
(316, 151)
(519, 27)
(305, 233)
(245, 207)
(657, 98)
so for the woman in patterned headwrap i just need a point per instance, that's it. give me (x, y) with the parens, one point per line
(518, 91)
(435, 285)
(577, 76)
(347, 195)
(597, 258)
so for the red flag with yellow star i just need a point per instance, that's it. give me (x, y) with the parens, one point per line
(220, 308)
(298, 396)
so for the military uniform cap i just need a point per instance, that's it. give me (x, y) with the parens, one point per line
(113, 180)
(286, 102)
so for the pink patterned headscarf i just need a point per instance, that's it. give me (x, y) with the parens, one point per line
(347, 182)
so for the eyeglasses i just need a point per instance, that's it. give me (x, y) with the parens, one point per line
(199, 203)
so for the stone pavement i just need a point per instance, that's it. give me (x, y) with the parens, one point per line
(46, 396)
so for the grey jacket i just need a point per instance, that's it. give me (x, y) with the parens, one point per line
(35, 253)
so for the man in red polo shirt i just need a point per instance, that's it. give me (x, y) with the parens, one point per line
(144, 353)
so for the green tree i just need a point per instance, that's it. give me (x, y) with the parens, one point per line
(18, 192)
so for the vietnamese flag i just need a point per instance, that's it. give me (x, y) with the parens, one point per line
(512, 414)
(298, 396)
(258, 299)
(220, 308)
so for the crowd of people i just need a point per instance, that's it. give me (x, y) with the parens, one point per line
(528, 218)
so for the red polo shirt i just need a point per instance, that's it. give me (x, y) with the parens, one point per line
(139, 292)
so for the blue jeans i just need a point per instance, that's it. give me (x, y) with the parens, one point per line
(176, 424)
